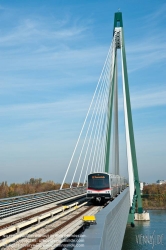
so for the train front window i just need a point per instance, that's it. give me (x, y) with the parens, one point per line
(98, 181)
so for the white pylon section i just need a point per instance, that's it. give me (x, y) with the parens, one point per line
(115, 163)
(128, 146)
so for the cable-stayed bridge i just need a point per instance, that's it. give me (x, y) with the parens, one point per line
(46, 220)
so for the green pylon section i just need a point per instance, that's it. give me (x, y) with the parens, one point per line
(110, 108)
(137, 196)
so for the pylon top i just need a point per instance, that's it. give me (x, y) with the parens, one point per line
(118, 22)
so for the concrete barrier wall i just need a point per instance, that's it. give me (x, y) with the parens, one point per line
(109, 231)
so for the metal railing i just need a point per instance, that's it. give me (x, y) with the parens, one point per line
(18, 204)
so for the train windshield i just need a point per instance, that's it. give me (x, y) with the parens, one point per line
(98, 181)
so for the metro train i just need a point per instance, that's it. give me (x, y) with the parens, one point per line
(102, 186)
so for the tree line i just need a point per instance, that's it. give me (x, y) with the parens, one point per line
(154, 195)
(30, 187)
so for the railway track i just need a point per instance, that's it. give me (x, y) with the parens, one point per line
(15, 205)
(34, 230)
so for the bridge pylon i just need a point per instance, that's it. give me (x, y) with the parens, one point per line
(136, 209)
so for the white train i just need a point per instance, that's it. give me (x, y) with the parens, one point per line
(102, 186)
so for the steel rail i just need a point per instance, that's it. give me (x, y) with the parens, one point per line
(39, 225)
(56, 229)
(27, 217)
(35, 218)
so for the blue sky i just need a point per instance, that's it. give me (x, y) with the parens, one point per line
(51, 56)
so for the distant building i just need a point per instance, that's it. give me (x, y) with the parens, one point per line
(141, 186)
(161, 182)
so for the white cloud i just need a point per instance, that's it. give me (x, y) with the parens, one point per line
(75, 58)
(146, 52)
(45, 69)
(153, 18)
(149, 97)
(152, 98)
(36, 31)
(72, 103)
(147, 46)
(78, 103)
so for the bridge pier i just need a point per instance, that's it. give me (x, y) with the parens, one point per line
(136, 216)
(144, 216)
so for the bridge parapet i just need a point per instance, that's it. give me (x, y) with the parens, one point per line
(109, 231)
